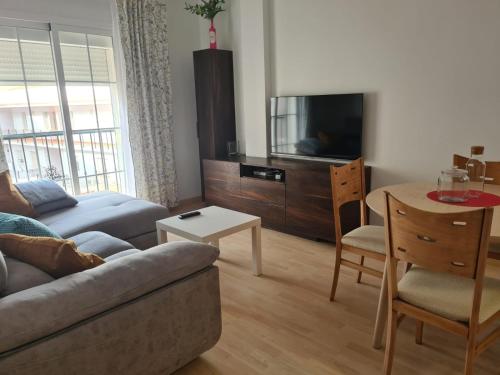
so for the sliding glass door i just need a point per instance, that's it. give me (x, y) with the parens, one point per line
(59, 108)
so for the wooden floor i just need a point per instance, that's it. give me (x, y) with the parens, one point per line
(283, 322)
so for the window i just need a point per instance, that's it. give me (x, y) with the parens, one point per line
(59, 108)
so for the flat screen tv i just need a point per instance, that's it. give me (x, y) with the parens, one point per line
(321, 126)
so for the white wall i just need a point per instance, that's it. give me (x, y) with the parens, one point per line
(251, 71)
(184, 37)
(429, 68)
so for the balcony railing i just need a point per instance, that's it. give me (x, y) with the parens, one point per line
(33, 156)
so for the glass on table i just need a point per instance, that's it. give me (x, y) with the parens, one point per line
(453, 185)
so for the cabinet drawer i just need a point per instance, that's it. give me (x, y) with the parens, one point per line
(315, 183)
(272, 216)
(310, 216)
(262, 190)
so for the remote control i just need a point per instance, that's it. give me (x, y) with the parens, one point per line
(189, 214)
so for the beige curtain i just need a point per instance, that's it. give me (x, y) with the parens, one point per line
(143, 34)
(3, 159)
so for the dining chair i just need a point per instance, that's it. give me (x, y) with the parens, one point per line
(460, 161)
(445, 286)
(492, 173)
(348, 185)
(493, 177)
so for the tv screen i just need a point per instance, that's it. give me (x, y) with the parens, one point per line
(327, 126)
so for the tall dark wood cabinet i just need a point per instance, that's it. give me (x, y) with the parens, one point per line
(214, 84)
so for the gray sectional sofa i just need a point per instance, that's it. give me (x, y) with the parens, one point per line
(118, 215)
(142, 312)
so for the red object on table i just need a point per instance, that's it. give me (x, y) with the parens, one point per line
(484, 200)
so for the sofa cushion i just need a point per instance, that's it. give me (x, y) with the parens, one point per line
(11, 200)
(82, 295)
(46, 195)
(116, 214)
(55, 256)
(122, 254)
(17, 224)
(3, 273)
(23, 276)
(100, 243)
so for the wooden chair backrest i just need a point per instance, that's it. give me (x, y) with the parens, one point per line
(348, 184)
(460, 161)
(455, 243)
(492, 168)
(492, 172)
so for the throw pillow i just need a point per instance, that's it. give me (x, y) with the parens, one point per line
(55, 256)
(17, 224)
(3, 273)
(11, 200)
(46, 195)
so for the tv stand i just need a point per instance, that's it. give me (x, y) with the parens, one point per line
(299, 202)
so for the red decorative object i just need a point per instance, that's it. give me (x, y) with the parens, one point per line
(212, 35)
(483, 200)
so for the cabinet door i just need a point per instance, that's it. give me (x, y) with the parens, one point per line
(265, 199)
(214, 84)
(309, 203)
(222, 183)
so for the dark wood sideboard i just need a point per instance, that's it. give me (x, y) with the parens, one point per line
(301, 204)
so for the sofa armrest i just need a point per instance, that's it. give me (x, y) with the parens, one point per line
(40, 311)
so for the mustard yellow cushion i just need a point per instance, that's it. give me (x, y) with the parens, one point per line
(366, 237)
(55, 256)
(11, 201)
(448, 295)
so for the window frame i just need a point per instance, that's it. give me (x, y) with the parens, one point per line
(53, 30)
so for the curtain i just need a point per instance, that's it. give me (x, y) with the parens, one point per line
(128, 165)
(3, 159)
(143, 33)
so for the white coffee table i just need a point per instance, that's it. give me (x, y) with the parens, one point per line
(213, 224)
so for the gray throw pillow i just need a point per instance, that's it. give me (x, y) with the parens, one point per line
(46, 196)
(3, 273)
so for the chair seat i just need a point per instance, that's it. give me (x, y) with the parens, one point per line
(448, 295)
(366, 237)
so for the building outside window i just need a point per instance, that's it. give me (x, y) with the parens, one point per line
(59, 115)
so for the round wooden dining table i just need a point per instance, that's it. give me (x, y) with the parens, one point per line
(415, 194)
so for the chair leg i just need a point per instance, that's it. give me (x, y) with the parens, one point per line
(336, 271)
(419, 332)
(362, 262)
(470, 355)
(392, 326)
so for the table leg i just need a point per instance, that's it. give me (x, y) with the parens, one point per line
(162, 236)
(381, 319)
(256, 250)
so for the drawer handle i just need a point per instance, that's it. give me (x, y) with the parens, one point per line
(458, 264)
(425, 238)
